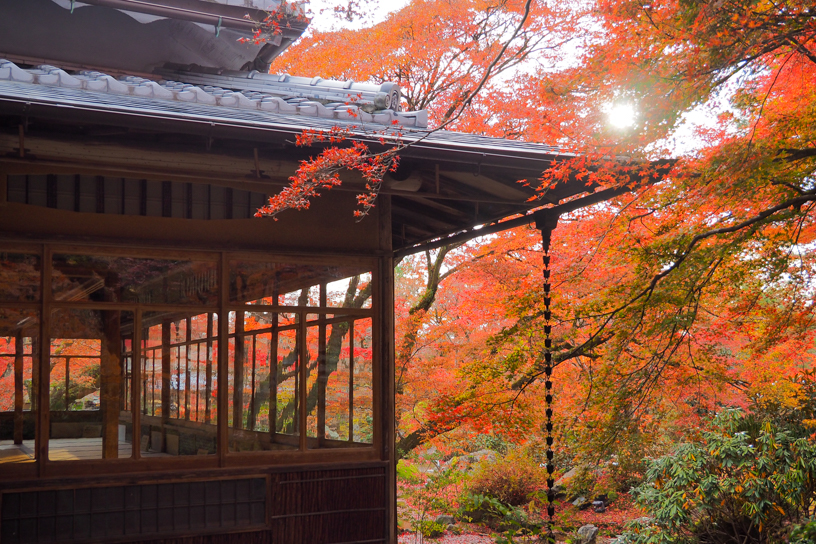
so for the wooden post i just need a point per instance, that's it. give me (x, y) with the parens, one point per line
(67, 382)
(322, 377)
(208, 386)
(383, 366)
(238, 373)
(136, 386)
(187, 370)
(301, 378)
(18, 387)
(252, 414)
(273, 372)
(166, 372)
(111, 378)
(41, 373)
(351, 383)
(223, 361)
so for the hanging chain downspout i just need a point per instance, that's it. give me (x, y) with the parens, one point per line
(546, 221)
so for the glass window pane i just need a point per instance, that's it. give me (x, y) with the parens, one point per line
(19, 349)
(288, 284)
(179, 384)
(315, 363)
(260, 392)
(338, 376)
(86, 353)
(350, 292)
(343, 414)
(287, 407)
(362, 391)
(126, 279)
(19, 277)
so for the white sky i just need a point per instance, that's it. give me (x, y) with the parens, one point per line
(324, 18)
(622, 116)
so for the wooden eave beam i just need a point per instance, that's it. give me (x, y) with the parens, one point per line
(423, 219)
(526, 219)
(487, 184)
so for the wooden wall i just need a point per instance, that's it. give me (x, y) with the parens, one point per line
(326, 505)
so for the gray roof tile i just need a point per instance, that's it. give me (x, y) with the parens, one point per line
(315, 97)
(245, 107)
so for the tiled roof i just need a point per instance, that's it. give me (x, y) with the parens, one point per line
(454, 180)
(344, 101)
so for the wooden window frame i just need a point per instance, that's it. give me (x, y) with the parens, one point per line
(43, 467)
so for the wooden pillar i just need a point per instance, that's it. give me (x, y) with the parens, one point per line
(166, 373)
(67, 400)
(41, 354)
(301, 377)
(187, 369)
(322, 376)
(223, 361)
(351, 383)
(383, 367)
(136, 386)
(111, 378)
(208, 386)
(41, 376)
(273, 372)
(18, 387)
(238, 373)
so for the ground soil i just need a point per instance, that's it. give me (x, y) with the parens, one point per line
(569, 518)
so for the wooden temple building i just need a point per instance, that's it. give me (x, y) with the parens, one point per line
(173, 369)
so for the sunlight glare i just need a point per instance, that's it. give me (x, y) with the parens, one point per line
(621, 115)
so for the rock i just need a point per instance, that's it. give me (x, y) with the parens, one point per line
(560, 492)
(567, 477)
(452, 528)
(599, 507)
(581, 503)
(587, 534)
(445, 520)
(473, 516)
(482, 455)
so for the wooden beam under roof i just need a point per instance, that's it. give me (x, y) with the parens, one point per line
(488, 185)
(435, 222)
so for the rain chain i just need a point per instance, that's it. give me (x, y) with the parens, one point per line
(546, 224)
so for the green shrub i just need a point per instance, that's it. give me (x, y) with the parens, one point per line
(495, 513)
(750, 480)
(511, 479)
(407, 472)
(804, 533)
(429, 528)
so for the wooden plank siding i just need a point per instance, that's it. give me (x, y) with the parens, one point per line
(327, 505)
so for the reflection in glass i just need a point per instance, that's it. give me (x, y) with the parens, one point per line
(343, 398)
(286, 284)
(125, 279)
(19, 346)
(86, 385)
(361, 428)
(263, 382)
(338, 383)
(315, 363)
(19, 277)
(179, 383)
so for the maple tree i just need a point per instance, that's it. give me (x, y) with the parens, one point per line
(716, 261)
(690, 293)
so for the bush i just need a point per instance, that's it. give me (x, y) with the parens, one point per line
(804, 533)
(498, 515)
(512, 479)
(751, 480)
(429, 528)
